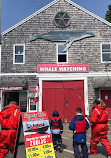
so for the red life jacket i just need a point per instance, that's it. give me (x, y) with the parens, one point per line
(80, 126)
(56, 122)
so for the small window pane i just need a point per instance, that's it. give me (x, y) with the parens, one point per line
(62, 23)
(32, 107)
(66, 16)
(61, 58)
(18, 49)
(62, 14)
(66, 21)
(106, 46)
(106, 57)
(57, 16)
(18, 58)
(57, 21)
(32, 104)
(61, 48)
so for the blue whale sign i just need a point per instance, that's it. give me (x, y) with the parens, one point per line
(63, 36)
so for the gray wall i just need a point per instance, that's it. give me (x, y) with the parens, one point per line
(42, 51)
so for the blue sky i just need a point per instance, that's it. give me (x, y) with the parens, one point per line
(13, 11)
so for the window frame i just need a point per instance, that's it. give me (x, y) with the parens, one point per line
(104, 53)
(61, 53)
(62, 18)
(30, 105)
(20, 54)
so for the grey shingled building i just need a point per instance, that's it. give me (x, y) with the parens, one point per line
(65, 35)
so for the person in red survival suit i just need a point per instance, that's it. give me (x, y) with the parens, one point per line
(56, 130)
(9, 119)
(99, 127)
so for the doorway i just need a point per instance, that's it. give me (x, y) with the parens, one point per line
(106, 97)
(10, 96)
(63, 96)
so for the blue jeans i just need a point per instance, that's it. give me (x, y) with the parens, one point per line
(84, 148)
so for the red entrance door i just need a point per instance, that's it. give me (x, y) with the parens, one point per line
(63, 96)
(106, 97)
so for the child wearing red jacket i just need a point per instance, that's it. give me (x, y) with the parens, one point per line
(56, 130)
(79, 125)
(99, 127)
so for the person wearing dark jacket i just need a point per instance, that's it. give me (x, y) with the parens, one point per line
(56, 126)
(79, 125)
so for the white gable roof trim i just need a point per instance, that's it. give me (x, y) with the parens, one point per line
(47, 6)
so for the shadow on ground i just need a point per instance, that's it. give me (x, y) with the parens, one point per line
(100, 150)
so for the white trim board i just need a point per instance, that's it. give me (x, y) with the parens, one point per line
(62, 75)
(67, 75)
(49, 5)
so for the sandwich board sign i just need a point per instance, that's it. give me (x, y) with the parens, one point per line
(37, 135)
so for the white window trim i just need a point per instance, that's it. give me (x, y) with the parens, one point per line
(57, 54)
(102, 54)
(23, 53)
(29, 106)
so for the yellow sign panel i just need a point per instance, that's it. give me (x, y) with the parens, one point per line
(34, 155)
(41, 151)
(46, 146)
(33, 149)
(48, 151)
(49, 156)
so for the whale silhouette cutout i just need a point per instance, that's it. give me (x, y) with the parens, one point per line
(63, 36)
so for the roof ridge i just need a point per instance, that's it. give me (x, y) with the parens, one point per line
(47, 6)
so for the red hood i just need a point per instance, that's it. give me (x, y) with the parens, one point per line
(8, 110)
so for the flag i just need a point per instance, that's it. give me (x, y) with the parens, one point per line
(36, 93)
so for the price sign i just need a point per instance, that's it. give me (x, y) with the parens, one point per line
(37, 135)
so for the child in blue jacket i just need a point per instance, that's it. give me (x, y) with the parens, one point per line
(79, 125)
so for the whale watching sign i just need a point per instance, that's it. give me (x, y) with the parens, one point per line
(62, 68)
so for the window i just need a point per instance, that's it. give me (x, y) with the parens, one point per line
(62, 19)
(32, 105)
(19, 54)
(62, 55)
(106, 52)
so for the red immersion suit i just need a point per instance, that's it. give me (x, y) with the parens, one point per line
(99, 129)
(9, 119)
